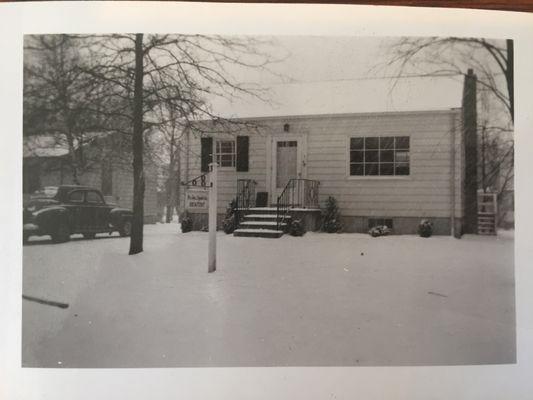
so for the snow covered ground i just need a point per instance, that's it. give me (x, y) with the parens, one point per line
(322, 299)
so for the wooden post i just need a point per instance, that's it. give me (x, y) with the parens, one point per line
(212, 252)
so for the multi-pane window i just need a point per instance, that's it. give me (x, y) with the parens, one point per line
(225, 153)
(384, 155)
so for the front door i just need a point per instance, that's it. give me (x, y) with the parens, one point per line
(286, 163)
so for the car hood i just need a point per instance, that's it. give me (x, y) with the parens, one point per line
(36, 204)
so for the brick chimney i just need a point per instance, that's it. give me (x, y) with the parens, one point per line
(470, 143)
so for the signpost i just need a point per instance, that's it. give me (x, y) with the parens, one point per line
(212, 251)
(197, 197)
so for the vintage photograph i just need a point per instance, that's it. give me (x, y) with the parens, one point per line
(267, 201)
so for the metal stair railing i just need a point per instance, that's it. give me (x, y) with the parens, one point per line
(245, 199)
(298, 193)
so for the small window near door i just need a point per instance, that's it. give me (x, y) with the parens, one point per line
(225, 153)
(289, 143)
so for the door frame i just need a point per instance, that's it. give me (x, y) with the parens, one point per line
(301, 160)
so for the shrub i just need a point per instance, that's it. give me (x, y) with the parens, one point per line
(425, 228)
(379, 230)
(296, 228)
(331, 216)
(228, 225)
(186, 222)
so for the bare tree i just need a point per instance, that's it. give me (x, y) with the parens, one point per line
(181, 73)
(493, 62)
(57, 94)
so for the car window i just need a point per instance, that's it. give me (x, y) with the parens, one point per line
(76, 196)
(94, 198)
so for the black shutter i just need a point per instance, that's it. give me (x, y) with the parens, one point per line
(206, 152)
(242, 153)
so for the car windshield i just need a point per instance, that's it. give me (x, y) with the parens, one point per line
(48, 192)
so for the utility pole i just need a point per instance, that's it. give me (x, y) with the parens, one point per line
(213, 189)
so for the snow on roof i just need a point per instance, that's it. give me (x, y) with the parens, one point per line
(52, 145)
(348, 97)
(44, 146)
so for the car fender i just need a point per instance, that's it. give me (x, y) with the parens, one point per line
(118, 215)
(48, 219)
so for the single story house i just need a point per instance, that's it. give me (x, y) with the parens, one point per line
(392, 168)
(46, 162)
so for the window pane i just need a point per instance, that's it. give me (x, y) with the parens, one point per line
(226, 160)
(93, 197)
(372, 169)
(387, 142)
(386, 155)
(386, 169)
(371, 156)
(226, 147)
(402, 142)
(356, 156)
(372, 143)
(402, 169)
(356, 143)
(76, 196)
(402, 156)
(356, 169)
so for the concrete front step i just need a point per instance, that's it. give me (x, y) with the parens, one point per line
(260, 217)
(260, 224)
(263, 233)
(263, 210)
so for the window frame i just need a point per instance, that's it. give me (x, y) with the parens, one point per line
(377, 177)
(76, 191)
(99, 195)
(217, 153)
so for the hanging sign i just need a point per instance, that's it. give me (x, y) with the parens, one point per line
(196, 199)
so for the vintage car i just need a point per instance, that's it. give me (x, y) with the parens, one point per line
(60, 211)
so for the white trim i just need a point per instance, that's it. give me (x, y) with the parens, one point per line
(453, 110)
(301, 161)
(216, 141)
(379, 177)
(348, 176)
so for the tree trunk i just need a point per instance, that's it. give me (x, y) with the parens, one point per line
(171, 191)
(178, 179)
(509, 75)
(136, 240)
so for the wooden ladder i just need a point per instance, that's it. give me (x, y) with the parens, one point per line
(487, 213)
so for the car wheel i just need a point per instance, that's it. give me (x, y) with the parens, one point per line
(89, 235)
(62, 233)
(125, 229)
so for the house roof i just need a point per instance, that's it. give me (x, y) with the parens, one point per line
(53, 145)
(348, 97)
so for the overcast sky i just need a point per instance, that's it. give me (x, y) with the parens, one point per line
(338, 75)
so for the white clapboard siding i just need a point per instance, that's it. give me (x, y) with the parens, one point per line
(426, 191)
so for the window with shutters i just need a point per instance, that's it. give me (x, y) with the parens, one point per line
(225, 153)
(379, 156)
